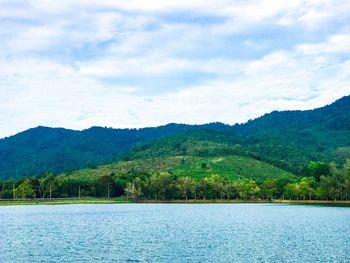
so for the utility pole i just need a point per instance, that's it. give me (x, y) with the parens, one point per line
(79, 191)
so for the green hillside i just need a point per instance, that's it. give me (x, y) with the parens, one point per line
(194, 143)
(229, 167)
(288, 140)
(199, 164)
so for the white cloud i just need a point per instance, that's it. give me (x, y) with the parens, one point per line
(58, 58)
(335, 44)
(58, 96)
(134, 66)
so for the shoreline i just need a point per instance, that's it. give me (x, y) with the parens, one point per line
(150, 201)
(62, 201)
(235, 201)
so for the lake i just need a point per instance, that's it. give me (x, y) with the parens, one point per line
(175, 233)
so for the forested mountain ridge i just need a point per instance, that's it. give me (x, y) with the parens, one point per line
(288, 139)
(42, 149)
(292, 138)
(334, 116)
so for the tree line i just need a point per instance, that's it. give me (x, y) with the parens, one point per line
(321, 181)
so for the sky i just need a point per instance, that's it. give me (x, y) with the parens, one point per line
(132, 64)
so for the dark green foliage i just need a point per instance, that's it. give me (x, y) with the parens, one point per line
(336, 186)
(194, 143)
(317, 169)
(288, 140)
(269, 189)
(291, 139)
(43, 149)
(162, 186)
(25, 189)
(107, 186)
(166, 185)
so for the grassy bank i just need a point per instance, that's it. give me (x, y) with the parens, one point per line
(238, 201)
(63, 201)
(150, 201)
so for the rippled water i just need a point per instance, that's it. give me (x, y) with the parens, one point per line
(175, 233)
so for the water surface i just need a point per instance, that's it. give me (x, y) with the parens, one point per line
(174, 233)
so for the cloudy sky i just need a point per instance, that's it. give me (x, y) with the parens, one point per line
(118, 63)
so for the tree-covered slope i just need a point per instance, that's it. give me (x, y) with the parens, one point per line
(200, 143)
(228, 167)
(334, 117)
(44, 149)
(292, 138)
(288, 139)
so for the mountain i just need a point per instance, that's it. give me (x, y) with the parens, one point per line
(286, 139)
(229, 167)
(42, 149)
(292, 138)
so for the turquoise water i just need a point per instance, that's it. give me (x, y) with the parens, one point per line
(174, 233)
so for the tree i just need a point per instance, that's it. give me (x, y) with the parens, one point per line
(317, 169)
(269, 188)
(292, 191)
(215, 185)
(105, 186)
(162, 186)
(202, 188)
(248, 189)
(25, 189)
(230, 190)
(322, 191)
(281, 183)
(306, 187)
(47, 184)
(7, 188)
(337, 182)
(186, 186)
(346, 172)
(133, 190)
